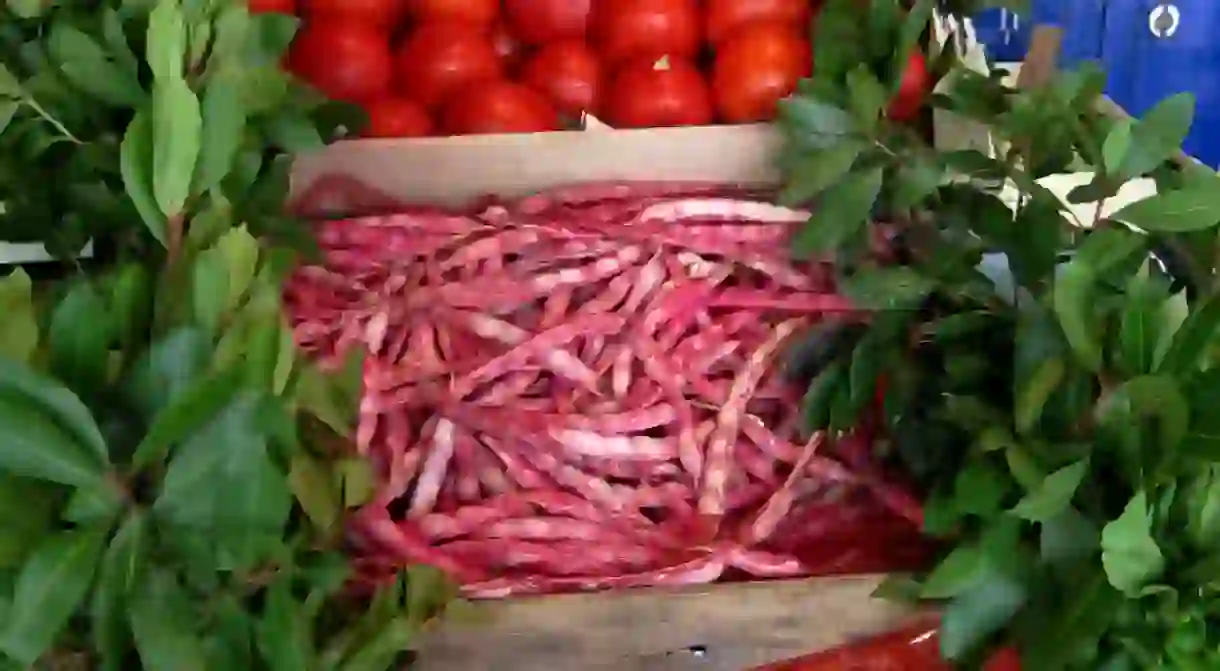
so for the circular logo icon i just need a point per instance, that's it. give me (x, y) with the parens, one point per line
(1164, 20)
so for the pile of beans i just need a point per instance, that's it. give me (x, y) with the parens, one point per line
(582, 389)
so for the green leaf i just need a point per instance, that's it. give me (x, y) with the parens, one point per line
(892, 288)
(1068, 536)
(820, 395)
(284, 636)
(358, 480)
(1156, 137)
(89, 67)
(1140, 325)
(49, 589)
(130, 304)
(168, 370)
(813, 123)
(166, 46)
(1129, 554)
(8, 110)
(121, 572)
(232, 644)
(295, 134)
(33, 445)
(1171, 316)
(163, 623)
(210, 289)
(979, 489)
(56, 402)
(1148, 397)
(977, 613)
(1203, 511)
(96, 505)
(1190, 344)
(867, 95)
(312, 485)
(19, 328)
(815, 171)
(224, 126)
(1074, 305)
(136, 167)
(1035, 392)
(198, 405)
(956, 573)
(1117, 144)
(27, 514)
(1054, 496)
(79, 355)
(1179, 211)
(222, 483)
(177, 127)
(842, 213)
(379, 653)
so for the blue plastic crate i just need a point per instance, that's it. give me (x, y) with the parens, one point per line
(1156, 49)
(1002, 34)
(1005, 35)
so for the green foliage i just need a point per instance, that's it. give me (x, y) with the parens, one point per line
(171, 496)
(1073, 471)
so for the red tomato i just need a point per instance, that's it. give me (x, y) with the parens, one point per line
(499, 107)
(477, 12)
(914, 648)
(383, 14)
(666, 92)
(393, 116)
(440, 58)
(507, 46)
(1006, 659)
(755, 68)
(724, 16)
(273, 7)
(914, 88)
(646, 29)
(345, 60)
(542, 21)
(569, 74)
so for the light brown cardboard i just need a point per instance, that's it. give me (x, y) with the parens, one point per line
(456, 170)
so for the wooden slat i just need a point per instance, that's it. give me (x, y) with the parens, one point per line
(737, 626)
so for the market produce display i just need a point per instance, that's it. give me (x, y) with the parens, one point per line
(585, 389)
(632, 63)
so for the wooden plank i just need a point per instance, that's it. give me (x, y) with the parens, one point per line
(726, 627)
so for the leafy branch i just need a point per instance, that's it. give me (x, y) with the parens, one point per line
(169, 497)
(1048, 385)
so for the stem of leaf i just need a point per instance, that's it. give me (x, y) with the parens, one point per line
(42, 112)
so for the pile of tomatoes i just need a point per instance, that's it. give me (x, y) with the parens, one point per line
(453, 67)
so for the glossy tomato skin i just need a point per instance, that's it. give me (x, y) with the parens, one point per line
(506, 45)
(726, 16)
(384, 14)
(273, 7)
(569, 74)
(755, 68)
(541, 21)
(394, 116)
(914, 648)
(481, 13)
(912, 91)
(345, 60)
(440, 58)
(647, 29)
(498, 107)
(646, 93)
